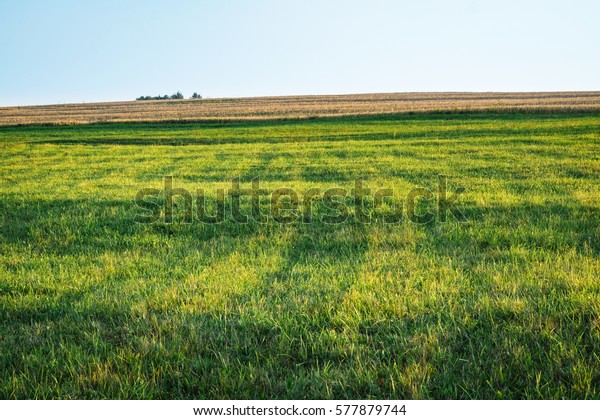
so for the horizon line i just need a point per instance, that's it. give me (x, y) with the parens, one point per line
(212, 98)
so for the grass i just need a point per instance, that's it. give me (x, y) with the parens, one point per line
(503, 305)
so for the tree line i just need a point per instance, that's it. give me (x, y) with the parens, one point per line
(177, 95)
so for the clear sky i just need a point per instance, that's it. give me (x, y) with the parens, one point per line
(82, 51)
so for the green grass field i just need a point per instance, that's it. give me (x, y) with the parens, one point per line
(505, 304)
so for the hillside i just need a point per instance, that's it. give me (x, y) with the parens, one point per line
(296, 107)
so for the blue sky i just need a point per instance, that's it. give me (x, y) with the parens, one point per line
(83, 51)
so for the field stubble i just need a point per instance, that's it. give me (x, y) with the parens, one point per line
(298, 107)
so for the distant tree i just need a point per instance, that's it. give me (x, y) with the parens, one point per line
(196, 96)
(177, 95)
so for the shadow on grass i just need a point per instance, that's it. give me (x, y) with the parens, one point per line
(292, 346)
(550, 227)
(491, 136)
(90, 226)
(179, 133)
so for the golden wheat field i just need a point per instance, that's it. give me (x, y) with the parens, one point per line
(296, 107)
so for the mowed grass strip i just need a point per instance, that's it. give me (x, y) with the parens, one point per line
(503, 305)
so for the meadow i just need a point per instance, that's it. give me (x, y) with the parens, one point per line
(504, 303)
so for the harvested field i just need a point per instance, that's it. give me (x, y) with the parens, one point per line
(296, 107)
